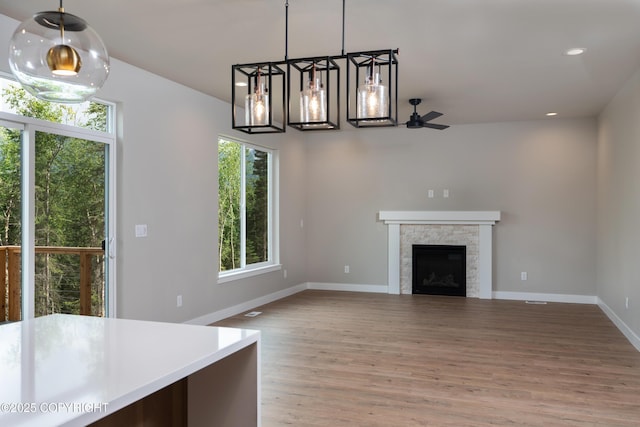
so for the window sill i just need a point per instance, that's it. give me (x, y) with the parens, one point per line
(243, 274)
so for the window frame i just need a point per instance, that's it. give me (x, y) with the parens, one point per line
(273, 263)
(29, 127)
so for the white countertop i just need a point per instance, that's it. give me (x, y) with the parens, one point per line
(73, 370)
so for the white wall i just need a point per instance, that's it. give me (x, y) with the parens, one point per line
(167, 169)
(539, 174)
(167, 178)
(619, 205)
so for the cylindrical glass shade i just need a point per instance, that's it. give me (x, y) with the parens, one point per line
(313, 102)
(257, 106)
(373, 98)
(37, 48)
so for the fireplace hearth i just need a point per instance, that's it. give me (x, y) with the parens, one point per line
(439, 270)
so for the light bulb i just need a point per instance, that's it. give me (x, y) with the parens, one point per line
(63, 60)
(313, 100)
(257, 104)
(373, 97)
(258, 111)
(372, 101)
(314, 105)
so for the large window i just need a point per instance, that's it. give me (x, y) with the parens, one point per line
(56, 206)
(246, 216)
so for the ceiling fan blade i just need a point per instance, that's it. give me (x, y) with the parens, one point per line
(430, 116)
(435, 126)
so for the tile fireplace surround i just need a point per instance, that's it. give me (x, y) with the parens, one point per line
(472, 229)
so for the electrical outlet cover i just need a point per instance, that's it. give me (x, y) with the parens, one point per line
(253, 314)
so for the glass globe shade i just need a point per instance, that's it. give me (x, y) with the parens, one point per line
(31, 49)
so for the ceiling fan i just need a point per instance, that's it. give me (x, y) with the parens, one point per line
(417, 122)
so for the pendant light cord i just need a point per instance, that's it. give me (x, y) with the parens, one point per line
(286, 30)
(61, 10)
(343, 14)
(286, 27)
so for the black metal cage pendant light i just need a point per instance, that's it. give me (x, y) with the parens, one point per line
(311, 94)
(262, 81)
(313, 88)
(372, 87)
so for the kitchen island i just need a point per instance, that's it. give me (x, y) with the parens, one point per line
(67, 370)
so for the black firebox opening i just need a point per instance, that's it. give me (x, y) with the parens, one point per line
(440, 270)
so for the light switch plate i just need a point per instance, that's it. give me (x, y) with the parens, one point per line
(141, 230)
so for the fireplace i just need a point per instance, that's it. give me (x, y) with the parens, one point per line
(470, 228)
(439, 270)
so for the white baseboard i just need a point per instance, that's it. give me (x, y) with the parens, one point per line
(626, 330)
(216, 316)
(531, 296)
(349, 287)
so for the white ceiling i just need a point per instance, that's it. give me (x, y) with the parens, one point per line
(473, 60)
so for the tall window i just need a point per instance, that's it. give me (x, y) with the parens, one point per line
(245, 208)
(56, 206)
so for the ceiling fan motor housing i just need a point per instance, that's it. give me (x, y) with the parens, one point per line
(415, 122)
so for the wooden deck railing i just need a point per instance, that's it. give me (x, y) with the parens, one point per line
(10, 277)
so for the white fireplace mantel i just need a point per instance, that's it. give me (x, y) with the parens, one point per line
(484, 219)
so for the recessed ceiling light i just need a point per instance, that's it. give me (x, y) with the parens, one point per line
(575, 51)
(241, 84)
(551, 114)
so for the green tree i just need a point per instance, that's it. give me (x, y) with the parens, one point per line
(10, 194)
(96, 117)
(257, 210)
(229, 188)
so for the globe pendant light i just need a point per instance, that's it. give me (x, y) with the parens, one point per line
(58, 57)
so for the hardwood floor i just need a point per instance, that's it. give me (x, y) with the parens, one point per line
(357, 359)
